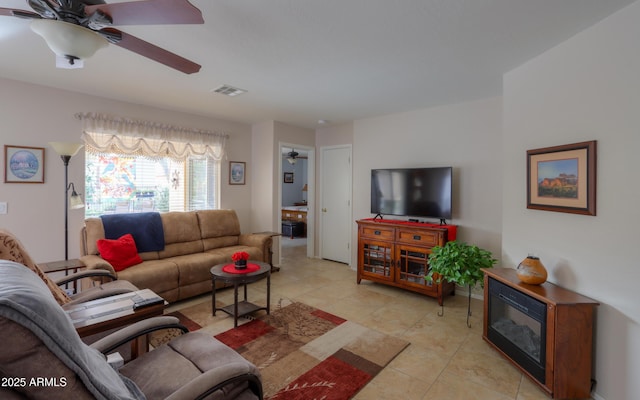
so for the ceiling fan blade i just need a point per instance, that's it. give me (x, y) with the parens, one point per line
(150, 12)
(155, 53)
(12, 12)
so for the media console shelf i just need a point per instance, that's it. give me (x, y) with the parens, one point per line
(396, 253)
(561, 321)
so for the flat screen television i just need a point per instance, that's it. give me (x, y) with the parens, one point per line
(417, 192)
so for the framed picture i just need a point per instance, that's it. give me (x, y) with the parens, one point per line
(288, 177)
(237, 172)
(563, 178)
(23, 164)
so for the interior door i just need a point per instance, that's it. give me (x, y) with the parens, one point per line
(335, 207)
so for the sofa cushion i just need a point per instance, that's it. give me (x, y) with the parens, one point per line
(190, 357)
(196, 267)
(219, 242)
(121, 253)
(218, 223)
(161, 276)
(181, 249)
(180, 227)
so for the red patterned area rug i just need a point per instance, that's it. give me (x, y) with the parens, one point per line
(305, 353)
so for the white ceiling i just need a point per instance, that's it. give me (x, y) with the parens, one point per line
(304, 60)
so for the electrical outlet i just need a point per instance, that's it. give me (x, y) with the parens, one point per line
(3, 207)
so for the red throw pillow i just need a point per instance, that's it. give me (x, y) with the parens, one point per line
(121, 253)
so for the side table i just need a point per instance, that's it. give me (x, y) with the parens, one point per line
(101, 315)
(68, 266)
(239, 309)
(272, 234)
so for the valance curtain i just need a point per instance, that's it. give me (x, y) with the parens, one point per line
(106, 134)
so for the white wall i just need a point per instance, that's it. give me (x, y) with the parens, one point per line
(465, 136)
(263, 171)
(33, 115)
(334, 135)
(584, 89)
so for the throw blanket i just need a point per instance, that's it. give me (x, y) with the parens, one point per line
(146, 229)
(25, 299)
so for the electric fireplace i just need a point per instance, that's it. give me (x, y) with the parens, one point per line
(517, 325)
(544, 330)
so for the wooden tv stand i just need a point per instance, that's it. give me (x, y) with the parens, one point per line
(396, 253)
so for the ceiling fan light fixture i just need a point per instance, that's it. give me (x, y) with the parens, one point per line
(67, 40)
(291, 157)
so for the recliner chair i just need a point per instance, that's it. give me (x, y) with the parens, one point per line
(42, 356)
(12, 249)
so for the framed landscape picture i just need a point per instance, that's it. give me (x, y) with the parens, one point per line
(237, 173)
(563, 178)
(23, 164)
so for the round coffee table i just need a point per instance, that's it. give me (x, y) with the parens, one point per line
(239, 309)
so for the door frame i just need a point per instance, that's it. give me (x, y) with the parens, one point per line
(311, 195)
(321, 191)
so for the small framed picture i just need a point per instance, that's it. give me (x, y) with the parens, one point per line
(288, 177)
(23, 164)
(563, 178)
(237, 173)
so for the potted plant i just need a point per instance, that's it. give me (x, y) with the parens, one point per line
(460, 263)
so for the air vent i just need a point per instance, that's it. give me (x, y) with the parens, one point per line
(229, 90)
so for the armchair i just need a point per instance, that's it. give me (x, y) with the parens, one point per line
(41, 347)
(12, 249)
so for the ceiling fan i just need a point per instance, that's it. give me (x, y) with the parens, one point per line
(76, 29)
(293, 156)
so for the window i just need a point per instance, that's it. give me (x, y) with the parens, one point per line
(136, 166)
(121, 183)
(202, 190)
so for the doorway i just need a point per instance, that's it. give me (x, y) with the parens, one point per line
(296, 198)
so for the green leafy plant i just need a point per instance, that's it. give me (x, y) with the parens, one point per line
(460, 263)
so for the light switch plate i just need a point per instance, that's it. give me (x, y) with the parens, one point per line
(3, 207)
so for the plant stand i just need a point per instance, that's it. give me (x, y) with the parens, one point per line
(441, 312)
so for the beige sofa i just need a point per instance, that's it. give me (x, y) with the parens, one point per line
(195, 241)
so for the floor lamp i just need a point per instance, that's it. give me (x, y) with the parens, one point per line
(66, 151)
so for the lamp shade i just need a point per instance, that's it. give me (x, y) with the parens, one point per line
(66, 149)
(305, 188)
(68, 40)
(75, 201)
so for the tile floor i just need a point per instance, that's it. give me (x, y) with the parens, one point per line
(446, 359)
